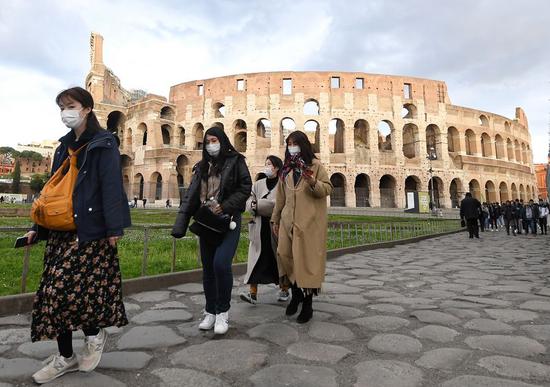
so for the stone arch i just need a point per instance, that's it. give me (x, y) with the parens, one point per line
(455, 191)
(475, 189)
(362, 190)
(263, 134)
(507, 126)
(218, 124)
(527, 192)
(166, 131)
(239, 140)
(412, 184)
(125, 161)
(517, 151)
(528, 154)
(142, 131)
(198, 135)
(522, 192)
(453, 139)
(435, 184)
(410, 141)
(126, 185)
(219, 110)
(167, 113)
(115, 122)
(490, 192)
(388, 191)
(385, 133)
(470, 140)
(311, 107)
(486, 148)
(183, 170)
(139, 184)
(499, 147)
(336, 129)
(181, 131)
(503, 192)
(483, 120)
(510, 149)
(155, 186)
(361, 141)
(313, 131)
(128, 139)
(433, 140)
(523, 154)
(514, 191)
(533, 193)
(286, 126)
(338, 195)
(409, 111)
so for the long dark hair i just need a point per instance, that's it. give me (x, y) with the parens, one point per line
(226, 149)
(87, 101)
(306, 150)
(276, 162)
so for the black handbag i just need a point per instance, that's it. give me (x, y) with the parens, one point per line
(219, 224)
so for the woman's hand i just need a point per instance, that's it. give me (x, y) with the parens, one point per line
(30, 238)
(308, 177)
(113, 240)
(218, 210)
(275, 229)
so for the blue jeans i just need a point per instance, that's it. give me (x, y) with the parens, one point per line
(217, 276)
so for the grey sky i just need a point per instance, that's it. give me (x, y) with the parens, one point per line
(493, 55)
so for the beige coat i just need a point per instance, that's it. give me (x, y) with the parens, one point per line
(264, 208)
(301, 213)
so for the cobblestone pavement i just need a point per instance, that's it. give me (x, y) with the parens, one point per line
(448, 311)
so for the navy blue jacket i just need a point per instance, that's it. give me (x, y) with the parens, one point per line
(100, 204)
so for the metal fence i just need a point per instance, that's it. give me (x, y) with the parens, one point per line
(340, 235)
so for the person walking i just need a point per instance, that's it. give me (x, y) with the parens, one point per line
(470, 209)
(144, 200)
(517, 216)
(262, 265)
(80, 288)
(543, 217)
(300, 222)
(509, 214)
(219, 189)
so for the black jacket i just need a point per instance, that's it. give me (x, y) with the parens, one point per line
(100, 204)
(470, 208)
(235, 188)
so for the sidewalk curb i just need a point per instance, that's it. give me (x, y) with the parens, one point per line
(22, 303)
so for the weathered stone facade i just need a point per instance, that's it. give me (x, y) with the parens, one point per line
(372, 132)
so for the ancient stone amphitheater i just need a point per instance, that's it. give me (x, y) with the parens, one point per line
(379, 136)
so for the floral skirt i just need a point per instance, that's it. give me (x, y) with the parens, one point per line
(80, 288)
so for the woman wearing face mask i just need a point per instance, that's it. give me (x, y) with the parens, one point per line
(221, 181)
(262, 261)
(300, 221)
(81, 282)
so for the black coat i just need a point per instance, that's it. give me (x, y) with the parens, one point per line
(235, 188)
(470, 208)
(100, 204)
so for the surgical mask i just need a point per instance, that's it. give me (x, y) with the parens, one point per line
(269, 172)
(72, 118)
(213, 149)
(293, 150)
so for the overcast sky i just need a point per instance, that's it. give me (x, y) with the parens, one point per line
(494, 55)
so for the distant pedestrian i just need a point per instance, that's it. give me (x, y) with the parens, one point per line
(470, 209)
(144, 200)
(168, 205)
(300, 222)
(135, 201)
(543, 217)
(509, 215)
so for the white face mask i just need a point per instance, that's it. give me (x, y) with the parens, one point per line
(294, 149)
(72, 118)
(269, 172)
(213, 149)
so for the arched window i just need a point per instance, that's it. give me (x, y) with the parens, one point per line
(167, 113)
(362, 190)
(409, 111)
(336, 131)
(219, 110)
(453, 140)
(385, 130)
(499, 147)
(182, 135)
(198, 130)
(483, 120)
(166, 129)
(263, 134)
(410, 141)
(470, 141)
(455, 191)
(287, 126)
(311, 108)
(313, 132)
(474, 189)
(387, 192)
(338, 195)
(486, 148)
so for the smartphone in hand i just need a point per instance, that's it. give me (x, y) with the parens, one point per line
(23, 241)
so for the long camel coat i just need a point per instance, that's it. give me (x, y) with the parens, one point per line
(264, 207)
(301, 213)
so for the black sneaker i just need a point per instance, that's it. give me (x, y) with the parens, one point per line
(251, 298)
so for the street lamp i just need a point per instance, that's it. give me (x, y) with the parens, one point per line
(432, 155)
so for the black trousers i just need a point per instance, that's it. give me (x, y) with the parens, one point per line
(65, 341)
(543, 225)
(473, 229)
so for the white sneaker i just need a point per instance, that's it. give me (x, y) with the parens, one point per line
(93, 348)
(56, 366)
(283, 296)
(222, 323)
(207, 322)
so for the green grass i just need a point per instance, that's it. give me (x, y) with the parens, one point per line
(159, 258)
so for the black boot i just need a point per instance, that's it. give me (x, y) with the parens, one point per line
(307, 310)
(297, 297)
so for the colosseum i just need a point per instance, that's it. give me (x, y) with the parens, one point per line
(379, 136)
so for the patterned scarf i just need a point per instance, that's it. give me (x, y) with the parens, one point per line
(293, 164)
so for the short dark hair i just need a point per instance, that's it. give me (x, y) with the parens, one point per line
(468, 194)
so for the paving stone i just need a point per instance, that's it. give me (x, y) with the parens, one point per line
(130, 307)
(124, 361)
(526, 288)
(473, 282)
(339, 288)
(330, 332)
(380, 323)
(170, 305)
(327, 353)
(149, 337)
(484, 301)
(539, 306)
(488, 325)
(190, 329)
(188, 288)
(280, 334)
(81, 379)
(15, 336)
(338, 310)
(173, 377)
(406, 300)
(483, 381)
(543, 292)
(430, 316)
(4, 348)
(18, 319)
(459, 305)
(394, 344)
(382, 294)
(538, 332)
(444, 358)
(515, 368)
(43, 349)
(387, 308)
(364, 282)
(221, 356)
(451, 287)
(18, 368)
(150, 316)
(476, 275)
(463, 313)
(243, 313)
(414, 284)
(436, 333)
(153, 296)
(6, 385)
(477, 292)
(511, 345)
(345, 299)
(435, 294)
(362, 272)
(511, 315)
(294, 376)
(387, 373)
